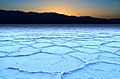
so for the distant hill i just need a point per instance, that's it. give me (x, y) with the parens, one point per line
(20, 17)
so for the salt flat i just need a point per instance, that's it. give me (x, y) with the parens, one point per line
(59, 51)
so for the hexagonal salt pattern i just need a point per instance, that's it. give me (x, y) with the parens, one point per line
(59, 52)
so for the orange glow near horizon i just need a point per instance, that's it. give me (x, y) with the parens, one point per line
(59, 8)
(94, 8)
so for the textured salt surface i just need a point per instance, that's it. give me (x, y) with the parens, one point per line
(59, 52)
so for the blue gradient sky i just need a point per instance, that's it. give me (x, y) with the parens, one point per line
(97, 8)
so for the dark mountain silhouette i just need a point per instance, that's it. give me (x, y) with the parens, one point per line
(20, 17)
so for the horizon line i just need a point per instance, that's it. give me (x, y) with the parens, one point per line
(60, 14)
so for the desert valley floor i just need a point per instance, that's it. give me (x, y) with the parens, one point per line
(59, 51)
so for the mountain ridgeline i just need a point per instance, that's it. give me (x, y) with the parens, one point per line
(20, 17)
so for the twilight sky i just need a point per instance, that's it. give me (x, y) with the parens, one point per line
(97, 8)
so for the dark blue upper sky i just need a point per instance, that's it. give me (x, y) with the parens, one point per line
(98, 8)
